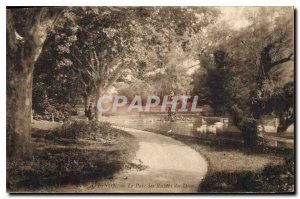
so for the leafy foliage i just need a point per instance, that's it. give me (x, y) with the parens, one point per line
(95, 47)
(239, 69)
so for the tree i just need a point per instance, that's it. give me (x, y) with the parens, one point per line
(105, 48)
(170, 31)
(275, 51)
(53, 75)
(26, 31)
(115, 40)
(250, 56)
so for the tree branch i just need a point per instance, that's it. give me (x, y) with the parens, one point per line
(282, 60)
(58, 15)
(33, 24)
(76, 59)
(11, 31)
(112, 81)
(114, 77)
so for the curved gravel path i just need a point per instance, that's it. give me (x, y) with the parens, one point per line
(162, 165)
(170, 165)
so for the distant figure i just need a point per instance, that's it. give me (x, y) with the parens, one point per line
(89, 112)
(170, 113)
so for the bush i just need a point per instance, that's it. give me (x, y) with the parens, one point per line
(90, 130)
(61, 112)
(84, 129)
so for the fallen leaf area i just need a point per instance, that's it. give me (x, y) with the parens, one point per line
(76, 153)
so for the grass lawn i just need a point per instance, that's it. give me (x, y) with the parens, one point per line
(74, 153)
(234, 168)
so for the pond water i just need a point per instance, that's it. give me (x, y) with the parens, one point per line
(185, 124)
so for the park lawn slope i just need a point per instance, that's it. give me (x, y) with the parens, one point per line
(235, 169)
(75, 153)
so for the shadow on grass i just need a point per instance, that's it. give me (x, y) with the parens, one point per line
(59, 160)
(272, 179)
(61, 166)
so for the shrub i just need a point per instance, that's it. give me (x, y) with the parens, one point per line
(61, 112)
(84, 129)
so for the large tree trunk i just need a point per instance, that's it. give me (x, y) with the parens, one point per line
(19, 100)
(22, 53)
(18, 110)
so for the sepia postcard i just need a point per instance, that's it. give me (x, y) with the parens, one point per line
(144, 99)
